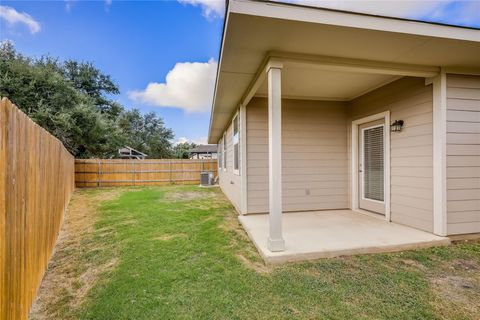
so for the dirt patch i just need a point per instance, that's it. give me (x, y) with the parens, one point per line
(452, 288)
(465, 265)
(458, 288)
(68, 279)
(188, 196)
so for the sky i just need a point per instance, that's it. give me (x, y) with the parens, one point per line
(164, 54)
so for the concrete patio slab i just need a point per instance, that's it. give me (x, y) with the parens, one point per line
(333, 233)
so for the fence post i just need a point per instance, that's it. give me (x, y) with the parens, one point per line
(170, 162)
(133, 172)
(140, 163)
(99, 173)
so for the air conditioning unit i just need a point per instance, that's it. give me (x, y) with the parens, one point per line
(206, 178)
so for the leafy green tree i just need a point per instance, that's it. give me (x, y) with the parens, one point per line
(92, 82)
(50, 100)
(147, 133)
(69, 100)
(181, 150)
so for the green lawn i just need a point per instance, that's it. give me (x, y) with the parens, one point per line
(178, 252)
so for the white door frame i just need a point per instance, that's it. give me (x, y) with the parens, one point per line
(354, 160)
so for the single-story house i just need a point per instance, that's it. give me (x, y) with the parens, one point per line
(203, 151)
(326, 118)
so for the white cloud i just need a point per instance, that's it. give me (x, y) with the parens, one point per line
(188, 86)
(108, 2)
(12, 17)
(201, 140)
(210, 8)
(181, 140)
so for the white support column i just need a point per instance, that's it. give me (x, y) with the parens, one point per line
(440, 154)
(275, 239)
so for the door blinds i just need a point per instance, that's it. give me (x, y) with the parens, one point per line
(373, 160)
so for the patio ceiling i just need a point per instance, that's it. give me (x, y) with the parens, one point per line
(318, 84)
(254, 29)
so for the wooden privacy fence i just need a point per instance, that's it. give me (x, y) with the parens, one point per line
(124, 172)
(36, 182)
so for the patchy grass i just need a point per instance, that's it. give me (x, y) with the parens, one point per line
(186, 256)
(70, 273)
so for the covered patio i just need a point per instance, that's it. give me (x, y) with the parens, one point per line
(322, 114)
(333, 233)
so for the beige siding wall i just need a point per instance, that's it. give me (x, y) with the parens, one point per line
(463, 154)
(316, 153)
(411, 149)
(230, 182)
(314, 148)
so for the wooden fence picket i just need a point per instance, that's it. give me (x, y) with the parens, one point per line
(127, 172)
(36, 182)
(37, 178)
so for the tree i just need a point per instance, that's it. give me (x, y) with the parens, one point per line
(89, 80)
(41, 91)
(181, 150)
(147, 133)
(70, 101)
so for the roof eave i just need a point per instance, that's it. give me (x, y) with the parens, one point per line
(309, 14)
(225, 23)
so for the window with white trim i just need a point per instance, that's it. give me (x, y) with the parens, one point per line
(224, 151)
(236, 148)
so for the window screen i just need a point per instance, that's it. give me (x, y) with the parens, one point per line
(235, 145)
(235, 157)
(219, 154)
(373, 160)
(235, 126)
(224, 151)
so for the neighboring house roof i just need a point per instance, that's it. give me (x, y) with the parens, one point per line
(293, 33)
(130, 150)
(204, 148)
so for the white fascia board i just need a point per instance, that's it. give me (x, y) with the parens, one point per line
(219, 67)
(353, 65)
(351, 20)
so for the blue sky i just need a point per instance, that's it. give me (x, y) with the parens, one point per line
(163, 54)
(135, 42)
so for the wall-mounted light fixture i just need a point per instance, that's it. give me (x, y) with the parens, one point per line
(396, 126)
